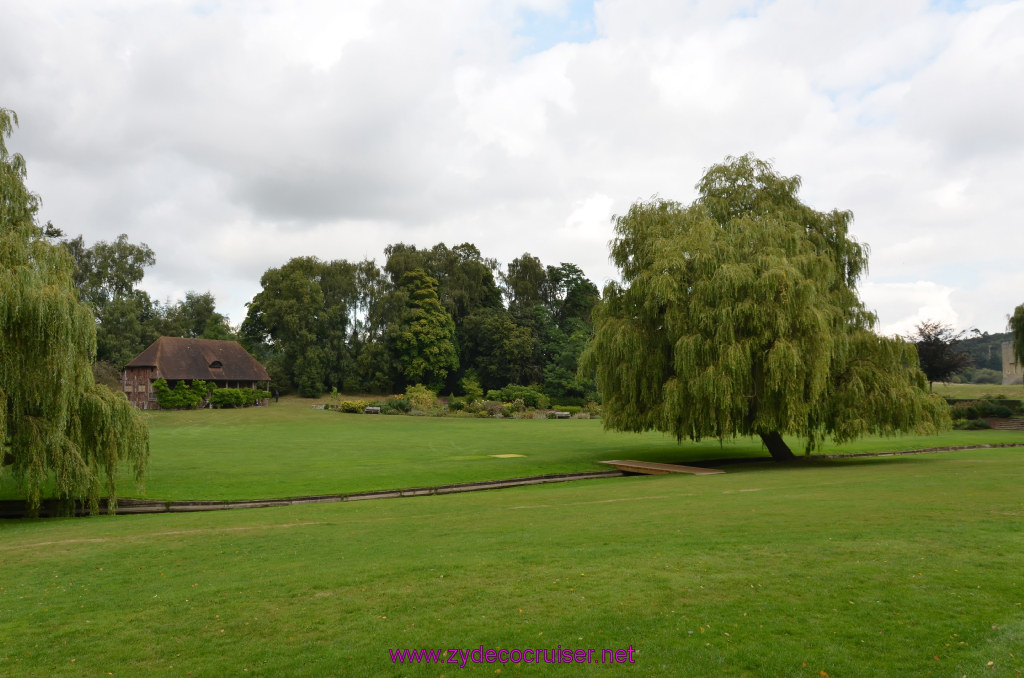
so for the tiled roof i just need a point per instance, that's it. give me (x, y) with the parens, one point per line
(207, 359)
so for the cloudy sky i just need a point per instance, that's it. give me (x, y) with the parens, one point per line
(233, 135)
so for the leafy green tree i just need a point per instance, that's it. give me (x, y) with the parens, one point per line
(106, 276)
(108, 270)
(738, 315)
(1016, 322)
(127, 324)
(465, 279)
(570, 296)
(55, 421)
(496, 347)
(422, 341)
(196, 317)
(466, 287)
(303, 320)
(938, 350)
(525, 284)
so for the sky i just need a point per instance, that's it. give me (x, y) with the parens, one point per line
(232, 135)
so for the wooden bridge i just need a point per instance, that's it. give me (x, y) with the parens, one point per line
(655, 468)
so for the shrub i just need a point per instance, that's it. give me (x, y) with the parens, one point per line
(397, 404)
(226, 397)
(471, 387)
(236, 397)
(183, 396)
(354, 406)
(490, 408)
(531, 396)
(964, 411)
(986, 376)
(972, 424)
(420, 397)
(456, 404)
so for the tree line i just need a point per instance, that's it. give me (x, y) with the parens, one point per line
(442, 316)
(446, 317)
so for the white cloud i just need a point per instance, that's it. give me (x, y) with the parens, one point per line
(905, 305)
(233, 135)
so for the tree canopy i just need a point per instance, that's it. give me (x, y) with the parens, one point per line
(738, 315)
(423, 340)
(1016, 322)
(55, 421)
(938, 349)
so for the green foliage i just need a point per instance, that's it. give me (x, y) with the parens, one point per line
(106, 276)
(196, 317)
(738, 315)
(456, 404)
(237, 397)
(531, 396)
(398, 404)
(1016, 323)
(971, 425)
(420, 398)
(355, 406)
(497, 348)
(422, 341)
(471, 387)
(55, 421)
(939, 351)
(986, 376)
(986, 407)
(987, 350)
(303, 319)
(183, 396)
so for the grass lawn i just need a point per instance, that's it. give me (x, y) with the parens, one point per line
(292, 450)
(901, 566)
(979, 390)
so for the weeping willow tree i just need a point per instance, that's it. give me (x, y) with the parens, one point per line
(738, 315)
(55, 422)
(1016, 324)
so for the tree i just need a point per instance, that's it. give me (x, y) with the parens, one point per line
(422, 341)
(938, 350)
(303, 318)
(106, 276)
(496, 348)
(55, 421)
(738, 315)
(108, 270)
(1016, 322)
(196, 317)
(525, 282)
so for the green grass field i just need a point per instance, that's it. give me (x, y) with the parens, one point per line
(903, 566)
(292, 450)
(979, 391)
(894, 566)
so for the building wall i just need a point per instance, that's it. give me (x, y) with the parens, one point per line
(137, 384)
(1012, 371)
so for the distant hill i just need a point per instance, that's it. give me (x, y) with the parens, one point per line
(986, 349)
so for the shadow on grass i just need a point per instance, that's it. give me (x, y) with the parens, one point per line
(734, 465)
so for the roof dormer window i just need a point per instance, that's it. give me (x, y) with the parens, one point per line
(216, 365)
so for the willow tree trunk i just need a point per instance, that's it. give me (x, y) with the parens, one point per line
(777, 447)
